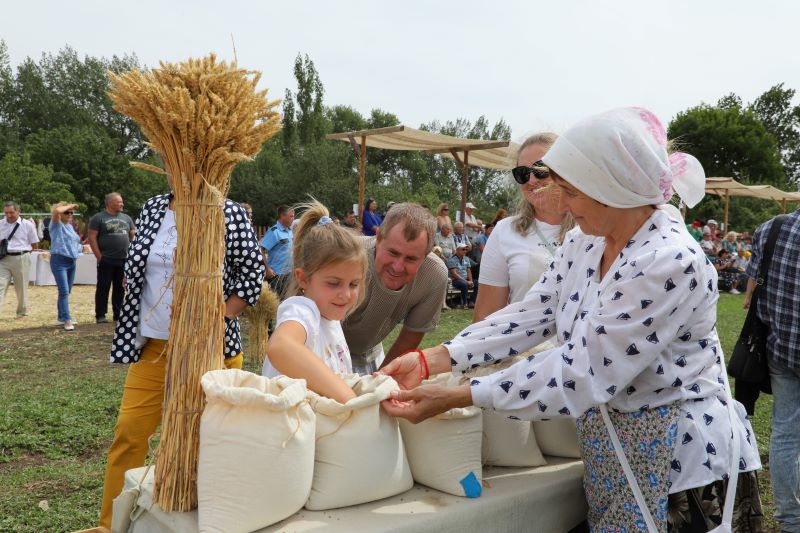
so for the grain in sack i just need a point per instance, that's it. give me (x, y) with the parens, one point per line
(558, 437)
(444, 451)
(256, 450)
(359, 452)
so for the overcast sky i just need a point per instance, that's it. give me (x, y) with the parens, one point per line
(538, 65)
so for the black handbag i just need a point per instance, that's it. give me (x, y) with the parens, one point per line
(748, 362)
(4, 242)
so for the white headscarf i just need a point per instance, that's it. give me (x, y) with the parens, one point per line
(619, 158)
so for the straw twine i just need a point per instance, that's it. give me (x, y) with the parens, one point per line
(202, 117)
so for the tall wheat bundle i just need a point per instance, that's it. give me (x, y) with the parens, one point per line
(202, 117)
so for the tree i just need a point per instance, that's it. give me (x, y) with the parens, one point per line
(782, 119)
(731, 141)
(30, 185)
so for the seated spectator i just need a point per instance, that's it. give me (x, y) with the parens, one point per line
(709, 246)
(445, 241)
(730, 243)
(728, 275)
(746, 241)
(696, 230)
(740, 263)
(711, 226)
(437, 251)
(460, 237)
(461, 274)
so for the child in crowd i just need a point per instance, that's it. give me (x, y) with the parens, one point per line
(329, 268)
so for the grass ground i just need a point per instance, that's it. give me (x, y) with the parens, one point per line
(59, 399)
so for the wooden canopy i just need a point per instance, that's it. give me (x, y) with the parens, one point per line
(476, 152)
(727, 187)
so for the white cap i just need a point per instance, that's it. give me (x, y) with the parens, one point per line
(469, 205)
(712, 221)
(462, 245)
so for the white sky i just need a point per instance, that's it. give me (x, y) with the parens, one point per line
(539, 65)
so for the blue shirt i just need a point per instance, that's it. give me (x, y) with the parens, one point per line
(369, 220)
(64, 241)
(461, 265)
(277, 242)
(476, 250)
(779, 303)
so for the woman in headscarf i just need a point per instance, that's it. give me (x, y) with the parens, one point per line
(630, 303)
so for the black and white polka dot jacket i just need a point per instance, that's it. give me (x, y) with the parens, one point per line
(243, 274)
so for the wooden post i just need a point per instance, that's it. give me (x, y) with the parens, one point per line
(362, 176)
(464, 186)
(727, 202)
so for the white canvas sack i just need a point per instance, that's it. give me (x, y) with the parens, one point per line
(444, 451)
(256, 450)
(557, 437)
(359, 452)
(508, 442)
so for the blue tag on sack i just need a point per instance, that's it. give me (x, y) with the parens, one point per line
(472, 487)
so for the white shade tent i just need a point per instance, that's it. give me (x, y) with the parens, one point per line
(727, 187)
(482, 153)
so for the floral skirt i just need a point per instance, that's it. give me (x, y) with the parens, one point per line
(648, 441)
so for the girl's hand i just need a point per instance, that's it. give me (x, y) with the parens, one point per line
(405, 370)
(424, 402)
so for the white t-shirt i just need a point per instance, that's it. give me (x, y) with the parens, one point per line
(323, 337)
(515, 261)
(471, 233)
(154, 317)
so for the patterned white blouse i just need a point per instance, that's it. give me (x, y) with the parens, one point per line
(642, 337)
(242, 274)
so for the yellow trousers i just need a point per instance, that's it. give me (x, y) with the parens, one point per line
(139, 416)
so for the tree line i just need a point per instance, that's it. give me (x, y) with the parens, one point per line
(61, 139)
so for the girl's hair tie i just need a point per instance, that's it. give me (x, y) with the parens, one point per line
(324, 220)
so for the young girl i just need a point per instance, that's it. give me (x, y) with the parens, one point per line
(329, 268)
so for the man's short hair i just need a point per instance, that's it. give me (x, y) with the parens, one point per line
(9, 203)
(348, 213)
(415, 220)
(110, 196)
(283, 209)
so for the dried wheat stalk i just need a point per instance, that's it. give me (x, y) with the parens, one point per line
(202, 117)
(258, 318)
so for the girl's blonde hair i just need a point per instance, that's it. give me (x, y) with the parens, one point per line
(440, 209)
(525, 212)
(318, 242)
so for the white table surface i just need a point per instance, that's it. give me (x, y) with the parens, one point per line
(86, 273)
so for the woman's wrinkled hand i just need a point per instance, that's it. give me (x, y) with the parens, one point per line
(426, 401)
(405, 370)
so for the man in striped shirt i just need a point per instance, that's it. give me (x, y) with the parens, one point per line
(406, 284)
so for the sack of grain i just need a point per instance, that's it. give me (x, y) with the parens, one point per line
(256, 450)
(508, 442)
(445, 451)
(557, 437)
(359, 452)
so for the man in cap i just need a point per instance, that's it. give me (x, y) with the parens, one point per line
(472, 227)
(460, 267)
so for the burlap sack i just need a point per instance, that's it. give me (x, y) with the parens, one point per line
(359, 452)
(256, 450)
(445, 451)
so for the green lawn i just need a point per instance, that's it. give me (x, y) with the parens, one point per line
(58, 404)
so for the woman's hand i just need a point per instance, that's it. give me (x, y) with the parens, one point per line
(406, 370)
(424, 402)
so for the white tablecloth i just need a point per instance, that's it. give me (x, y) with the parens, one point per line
(546, 499)
(40, 273)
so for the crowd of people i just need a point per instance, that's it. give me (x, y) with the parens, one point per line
(592, 269)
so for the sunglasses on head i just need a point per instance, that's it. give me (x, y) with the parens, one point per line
(68, 212)
(522, 174)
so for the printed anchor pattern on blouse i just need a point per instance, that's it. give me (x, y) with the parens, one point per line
(243, 273)
(649, 342)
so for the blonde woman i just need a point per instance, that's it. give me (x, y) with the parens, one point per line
(523, 245)
(443, 217)
(65, 248)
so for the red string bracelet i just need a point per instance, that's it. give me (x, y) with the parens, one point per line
(423, 364)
